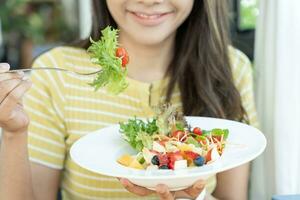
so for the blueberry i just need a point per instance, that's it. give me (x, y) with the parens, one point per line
(199, 161)
(164, 167)
(155, 160)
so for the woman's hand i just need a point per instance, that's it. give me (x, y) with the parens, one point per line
(13, 118)
(163, 191)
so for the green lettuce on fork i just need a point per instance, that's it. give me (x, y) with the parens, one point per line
(105, 53)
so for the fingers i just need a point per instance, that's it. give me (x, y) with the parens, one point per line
(4, 67)
(164, 193)
(9, 76)
(195, 189)
(162, 190)
(7, 86)
(8, 81)
(141, 191)
(14, 97)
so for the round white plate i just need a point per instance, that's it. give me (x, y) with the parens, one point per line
(99, 151)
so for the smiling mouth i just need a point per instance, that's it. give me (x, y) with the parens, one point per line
(148, 19)
(149, 16)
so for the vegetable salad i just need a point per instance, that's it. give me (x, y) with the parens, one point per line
(168, 142)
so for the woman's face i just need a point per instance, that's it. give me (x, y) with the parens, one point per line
(149, 22)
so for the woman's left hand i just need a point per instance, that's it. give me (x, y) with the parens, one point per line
(163, 191)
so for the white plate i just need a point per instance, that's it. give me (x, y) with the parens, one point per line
(99, 151)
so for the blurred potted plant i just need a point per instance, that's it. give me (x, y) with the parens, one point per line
(17, 19)
(27, 23)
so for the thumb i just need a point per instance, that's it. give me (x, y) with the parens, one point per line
(164, 193)
(196, 189)
(4, 67)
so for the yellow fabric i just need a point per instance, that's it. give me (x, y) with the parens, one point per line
(63, 108)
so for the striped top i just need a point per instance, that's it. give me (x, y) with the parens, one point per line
(63, 108)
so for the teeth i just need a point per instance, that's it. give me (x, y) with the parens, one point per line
(145, 16)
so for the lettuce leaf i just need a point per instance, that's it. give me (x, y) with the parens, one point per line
(138, 133)
(103, 53)
(144, 140)
(191, 140)
(216, 132)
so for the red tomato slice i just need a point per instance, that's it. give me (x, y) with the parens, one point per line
(190, 154)
(197, 131)
(125, 60)
(208, 156)
(179, 135)
(173, 157)
(163, 159)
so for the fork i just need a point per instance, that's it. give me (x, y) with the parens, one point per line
(53, 68)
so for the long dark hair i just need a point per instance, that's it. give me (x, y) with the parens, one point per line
(200, 65)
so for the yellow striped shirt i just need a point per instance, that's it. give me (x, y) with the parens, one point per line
(63, 108)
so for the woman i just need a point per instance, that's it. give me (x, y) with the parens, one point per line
(179, 53)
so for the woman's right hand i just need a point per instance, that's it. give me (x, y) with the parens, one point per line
(13, 118)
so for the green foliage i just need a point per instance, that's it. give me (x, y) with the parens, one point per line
(138, 133)
(169, 118)
(18, 17)
(191, 140)
(180, 126)
(248, 14)
(12, 15)
(216, 132)
(103, 53)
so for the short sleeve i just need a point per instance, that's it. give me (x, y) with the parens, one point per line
(243, 78)
(44, 104)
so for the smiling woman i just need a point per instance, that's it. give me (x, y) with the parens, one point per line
(179, 54)
(149, 24)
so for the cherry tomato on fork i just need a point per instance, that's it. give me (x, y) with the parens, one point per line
(122, 53)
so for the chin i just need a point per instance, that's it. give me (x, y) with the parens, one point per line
(151, 38)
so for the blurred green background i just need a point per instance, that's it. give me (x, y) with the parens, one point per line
(248, 11)
(30, 27)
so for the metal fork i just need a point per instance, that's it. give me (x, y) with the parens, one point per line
(53, 68)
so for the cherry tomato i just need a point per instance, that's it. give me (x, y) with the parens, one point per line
(122, 53)
(163, 159)
(125, 60)
(197, 131)
(173, 157)
(191, 155)
(208, 156)
(179, 135)
(171, 165)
